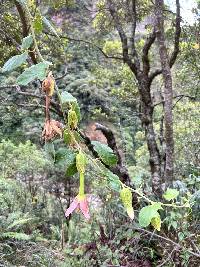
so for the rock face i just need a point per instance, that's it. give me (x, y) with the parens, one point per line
(93, 134)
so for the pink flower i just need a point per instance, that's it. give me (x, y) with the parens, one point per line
(79, 202)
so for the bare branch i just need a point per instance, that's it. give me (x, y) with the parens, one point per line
(123, 37)
(176, 43)
(55, 105)
(134, 53)
(119, 169)
(145, 52)
(177, 245)
(177, 96)
(86, 42)
(25, 27)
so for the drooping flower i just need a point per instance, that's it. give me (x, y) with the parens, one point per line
(51, 129)
(79, 202)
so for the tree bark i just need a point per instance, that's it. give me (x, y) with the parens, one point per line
(144, 86)
(147, 123)
(168, 92)
(25, 28)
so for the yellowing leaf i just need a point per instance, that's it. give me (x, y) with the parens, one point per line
(126, 197)
(156, 222)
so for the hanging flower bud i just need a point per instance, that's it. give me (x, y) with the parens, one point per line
(126, 197)
(48, 85)
(81, 162)
(72, 119)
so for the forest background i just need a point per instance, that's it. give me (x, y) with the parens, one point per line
(130, 72)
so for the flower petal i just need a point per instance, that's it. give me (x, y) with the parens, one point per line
(84, 208)
(72, 207)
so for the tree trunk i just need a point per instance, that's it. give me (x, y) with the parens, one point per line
(25, 28)
(147, 122)
(168, 92)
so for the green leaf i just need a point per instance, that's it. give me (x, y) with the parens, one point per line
(105, 153)
(37, 22)
(68, 157)
(15, 62)
(67, 137)
(71, 169)
(113, 181)
(27, 42)
(157, 205)
(65, 155)
(147, 214)
(76, 108)
(50, 150)
(49, 25)
(37, 71)
(67, 98)
(170, 194)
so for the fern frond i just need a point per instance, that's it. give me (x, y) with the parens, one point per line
(19, 222)
(15, 235)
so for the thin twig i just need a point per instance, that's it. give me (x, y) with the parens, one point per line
(168, 240)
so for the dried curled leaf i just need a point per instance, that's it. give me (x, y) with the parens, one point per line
(126, 197)
(48, 85)
(52, 128)
(72, 119)
(81, 162)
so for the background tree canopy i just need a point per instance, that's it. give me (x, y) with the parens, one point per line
(99, 133)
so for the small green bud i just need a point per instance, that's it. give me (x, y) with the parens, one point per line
(81, 162)
(72, 119)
